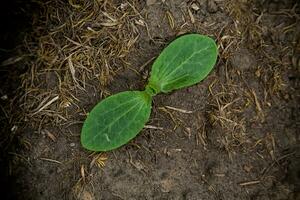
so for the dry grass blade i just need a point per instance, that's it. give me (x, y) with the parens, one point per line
(191, 16)
(170, 19)
(179, 110)
(51, 160)
(42, 107)
(99, 160)
(11, 61)
(153, 127)
(249, 183)
(72, 70)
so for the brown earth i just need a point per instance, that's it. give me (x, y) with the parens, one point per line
(235, 135)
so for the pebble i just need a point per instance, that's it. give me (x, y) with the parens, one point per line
(14, 128)
(4, 97)
(72, 144)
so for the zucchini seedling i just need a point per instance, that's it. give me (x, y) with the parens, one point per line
(119, 118)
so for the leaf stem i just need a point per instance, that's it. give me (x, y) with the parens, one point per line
(151, 90)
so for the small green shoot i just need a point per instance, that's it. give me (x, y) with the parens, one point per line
(119, 118)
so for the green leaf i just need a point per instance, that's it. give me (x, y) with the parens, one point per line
(119, 118)
(184, 62)
(116, 120)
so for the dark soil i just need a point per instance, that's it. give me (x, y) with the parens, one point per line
(241, 140)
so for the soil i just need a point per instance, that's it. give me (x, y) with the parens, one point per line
(240, 140)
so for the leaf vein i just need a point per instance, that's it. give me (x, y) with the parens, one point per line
(183, 63)
(110, 124)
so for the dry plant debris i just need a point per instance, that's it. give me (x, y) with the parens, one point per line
(75, 50)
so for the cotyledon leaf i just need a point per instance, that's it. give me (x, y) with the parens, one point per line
(184, 62)
(116, 120)
(119, 118)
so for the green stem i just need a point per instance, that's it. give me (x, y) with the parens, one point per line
(151, 90)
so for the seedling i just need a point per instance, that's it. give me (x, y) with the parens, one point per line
(119, 118)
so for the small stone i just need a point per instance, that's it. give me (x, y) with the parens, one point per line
(14, 128)
(212, 6)
(4, 97)
(72, 144)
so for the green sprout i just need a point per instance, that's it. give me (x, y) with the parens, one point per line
(119, 118)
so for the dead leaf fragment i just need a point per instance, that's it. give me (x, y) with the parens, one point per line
(195, 7)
